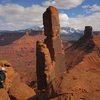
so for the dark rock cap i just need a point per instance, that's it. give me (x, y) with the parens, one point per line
(88, 30)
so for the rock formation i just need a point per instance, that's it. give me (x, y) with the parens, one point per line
(4, 95)
(84, 45)
(51, 22)
(87, 37)
(42, 64)
(20, 91)
(4, 63)
(14, 88)
(88, 31)
(50, 53)
(53, 41)
(82, 82)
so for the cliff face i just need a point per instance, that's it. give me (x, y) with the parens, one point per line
(75, 53)
(82, 79)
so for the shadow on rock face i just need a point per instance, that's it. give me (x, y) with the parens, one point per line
(1, 85)
(33, 98)
(12, 98)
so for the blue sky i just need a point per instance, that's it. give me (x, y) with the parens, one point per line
(21, 14)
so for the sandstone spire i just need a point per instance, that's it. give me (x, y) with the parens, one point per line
(53, 41)
(40, 66)
(49, 53)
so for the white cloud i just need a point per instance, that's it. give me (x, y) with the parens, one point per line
(14, 16)
(81, 21)
(63, 4)
(63, 19)
(92, 8)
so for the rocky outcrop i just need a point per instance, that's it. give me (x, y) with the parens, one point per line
(14, 88)
(4, 63)
(83, 63)
(4, 95)
(50, 53)
(20, 91)
(88, 31)
(17, 89)
(43, 64)
(53, 41)
(82, 81)
(86, 38)
(81, 47)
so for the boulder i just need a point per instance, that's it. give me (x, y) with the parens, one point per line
(10, 75)
(20, 91)
(4, 95)
(14, 87)
(4, 63)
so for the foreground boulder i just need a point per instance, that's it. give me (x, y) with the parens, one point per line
(14, 88)
(4, 95)
(20, 91)
(4, 63)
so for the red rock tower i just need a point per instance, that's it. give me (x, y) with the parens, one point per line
(53, 41)
(50, 61)
(40, 66)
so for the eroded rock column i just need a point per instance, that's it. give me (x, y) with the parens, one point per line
(40, 66)
(50, 61)
(53, 41)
